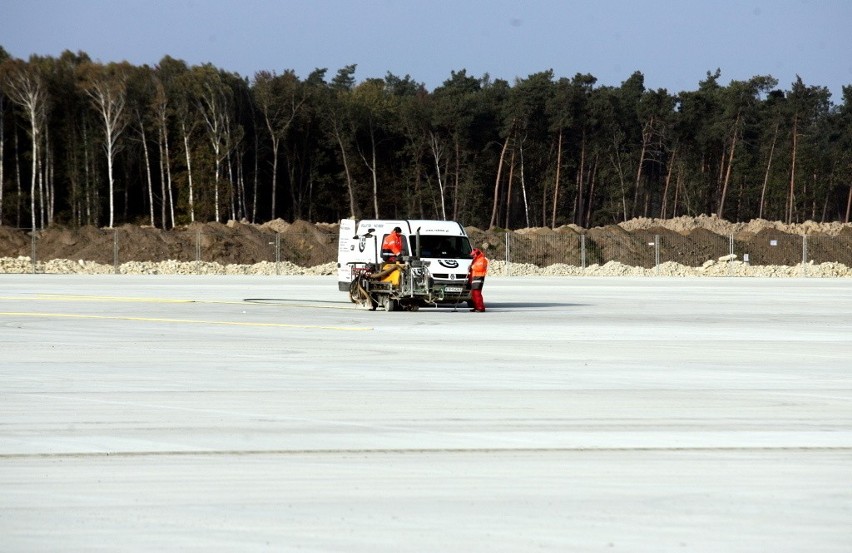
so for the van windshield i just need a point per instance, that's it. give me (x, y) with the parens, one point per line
(441, 247)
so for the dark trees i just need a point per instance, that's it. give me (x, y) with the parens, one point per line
(184, 143)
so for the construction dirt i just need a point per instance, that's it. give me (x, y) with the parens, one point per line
(690, 241)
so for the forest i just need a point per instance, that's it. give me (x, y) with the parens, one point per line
(89, 143)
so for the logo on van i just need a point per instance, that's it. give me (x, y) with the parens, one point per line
(448, 263)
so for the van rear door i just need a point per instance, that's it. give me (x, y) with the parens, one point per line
(347, 251)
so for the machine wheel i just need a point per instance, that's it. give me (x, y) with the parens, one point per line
(390, 305)
(354, 295)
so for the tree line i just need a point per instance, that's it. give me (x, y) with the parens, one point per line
(90, 143)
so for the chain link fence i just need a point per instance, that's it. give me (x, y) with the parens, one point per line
(649, 250)
(249, 246)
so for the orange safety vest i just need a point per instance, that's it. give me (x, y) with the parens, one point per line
(479, 267)
(392, 243)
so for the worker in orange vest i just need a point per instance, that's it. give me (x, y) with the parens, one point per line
(476, 278)
(392, 245)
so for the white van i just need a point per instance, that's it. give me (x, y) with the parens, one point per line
(442, 248)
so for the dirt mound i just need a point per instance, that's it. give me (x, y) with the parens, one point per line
(688, 240)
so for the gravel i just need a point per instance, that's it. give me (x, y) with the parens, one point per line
(724, 267)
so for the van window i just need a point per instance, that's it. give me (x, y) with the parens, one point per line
(404, 243)
(441, 247)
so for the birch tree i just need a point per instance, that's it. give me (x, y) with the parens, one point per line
(160, 106)
(213, 103)
(26, 88)
(107, 89)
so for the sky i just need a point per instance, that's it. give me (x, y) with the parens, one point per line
(673, 43)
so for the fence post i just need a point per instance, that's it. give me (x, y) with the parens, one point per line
(506, 271)
(804, 255)
(198, 251)
(277, 252)
(657, 254)
(730, 253)
(33, 253)
(115, 250)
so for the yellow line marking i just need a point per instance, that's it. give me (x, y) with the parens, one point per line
(190, 321)
(125, 299)
(65, 297)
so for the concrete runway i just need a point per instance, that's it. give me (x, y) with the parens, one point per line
(579, 414)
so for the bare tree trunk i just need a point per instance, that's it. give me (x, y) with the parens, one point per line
(556, 185)
(34, 181)
(44, 180)
(374, 171)
(457, 181)
(147, 168)
(166, 163)
(616, 161)
(848, 205)
(591, 195)
(372, 167)
(524, 189)
(231, 191)
(497, 182)
(19, 186)
(664, 203)
(96, 188)
(581, 178)
(162, 178)
(768, 168)
(41, 209)
(791, 193)
(241, 187)
(275, 147)
(87, 174)
(256, 178)
(349, 185)
(437, 151)
(189, 173)
(734, 137)
(678, 185)
(509, 188)
(49, 172)
(217, 169)
(295, 208)
(646, 139)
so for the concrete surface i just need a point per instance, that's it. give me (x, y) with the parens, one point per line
(578, 414)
